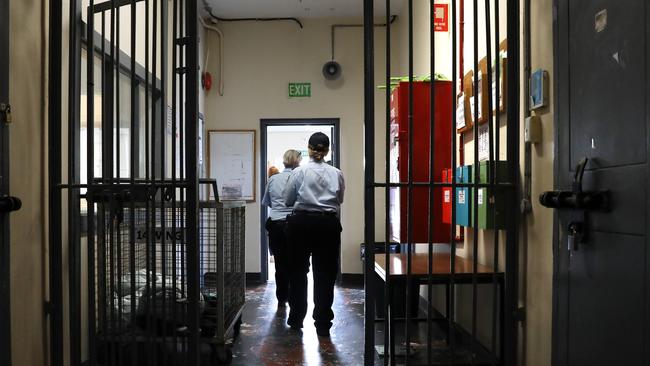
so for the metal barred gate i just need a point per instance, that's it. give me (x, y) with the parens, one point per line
(441, 285)
(136, 260)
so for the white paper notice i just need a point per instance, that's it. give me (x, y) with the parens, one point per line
(494, 96)
(483, 142)
(461, 197)
(460, 113)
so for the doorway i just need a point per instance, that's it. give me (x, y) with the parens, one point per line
(279, 135)
(600, 307)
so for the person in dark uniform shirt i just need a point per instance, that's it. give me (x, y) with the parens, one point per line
(314, 229)
(275, 225)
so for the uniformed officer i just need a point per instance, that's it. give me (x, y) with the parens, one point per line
(314, 229)
(275, 225)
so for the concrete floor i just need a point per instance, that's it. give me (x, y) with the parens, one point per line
(265, 339)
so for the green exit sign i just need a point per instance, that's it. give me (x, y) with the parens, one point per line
(299, 90)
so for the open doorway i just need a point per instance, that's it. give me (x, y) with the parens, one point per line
(277, 136)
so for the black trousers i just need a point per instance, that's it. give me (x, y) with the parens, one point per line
(280, 251)
(318, 236)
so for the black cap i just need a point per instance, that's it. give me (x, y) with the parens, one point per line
(319, 142)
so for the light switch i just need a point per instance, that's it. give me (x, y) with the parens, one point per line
(533, 130)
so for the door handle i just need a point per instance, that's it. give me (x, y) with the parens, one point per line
(576, 199)
(9, 204)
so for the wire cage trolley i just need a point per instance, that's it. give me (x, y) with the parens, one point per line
(142, 279)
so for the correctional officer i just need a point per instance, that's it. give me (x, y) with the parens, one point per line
(314, 229)
(275, 225)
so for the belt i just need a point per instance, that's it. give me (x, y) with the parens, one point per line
(315, 213)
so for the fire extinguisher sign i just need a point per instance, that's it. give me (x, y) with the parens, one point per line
(441, 17)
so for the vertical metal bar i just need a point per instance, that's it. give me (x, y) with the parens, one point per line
(474, 189)
(74, 239)
(369, 176)
(178, 104)
(191, 162)
(388, 356)
(181, 113)
(118, 119)
(512, 250)
(432, 138)
(175, 121)
(409, 204)
(150, 212)
(451, 293)
(90, 170)
(101, 220)
(156, 213)
(497, 154)
(147, 114)
(54, 174)
(133, 171)
(108, 173)
(493, 116)
(118, 221)
(163, 168)
(177, 210)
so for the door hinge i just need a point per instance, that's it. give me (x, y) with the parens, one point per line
(5, 111)
(520, 315)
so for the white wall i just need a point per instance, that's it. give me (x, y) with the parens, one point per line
(538, 252)
(260, 60)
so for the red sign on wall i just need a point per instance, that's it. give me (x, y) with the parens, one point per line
(441, 17)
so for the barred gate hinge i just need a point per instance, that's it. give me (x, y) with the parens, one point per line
(520, 315)
(5, 112)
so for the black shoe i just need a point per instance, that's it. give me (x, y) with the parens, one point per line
(323, 332)
(294, 325)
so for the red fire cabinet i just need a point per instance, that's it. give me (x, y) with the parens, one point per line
(420, 167)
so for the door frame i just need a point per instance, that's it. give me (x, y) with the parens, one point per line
(556, 334)
(5, 279)
(267, 122)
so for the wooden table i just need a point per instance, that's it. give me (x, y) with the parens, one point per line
(441, 274)
(441, 265)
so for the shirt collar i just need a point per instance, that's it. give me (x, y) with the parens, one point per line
(287, 170)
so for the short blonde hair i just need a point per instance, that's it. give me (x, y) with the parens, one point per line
(292, 158)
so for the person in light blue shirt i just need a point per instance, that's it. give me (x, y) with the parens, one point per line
(314, 230)
(275, 225)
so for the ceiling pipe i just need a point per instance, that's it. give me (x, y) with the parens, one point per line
(335, 26)
(208, 8)
(221, 52)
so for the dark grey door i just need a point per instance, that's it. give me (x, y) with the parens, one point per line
(600, 314)
(5, 335)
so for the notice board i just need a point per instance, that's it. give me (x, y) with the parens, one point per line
(232, 163)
